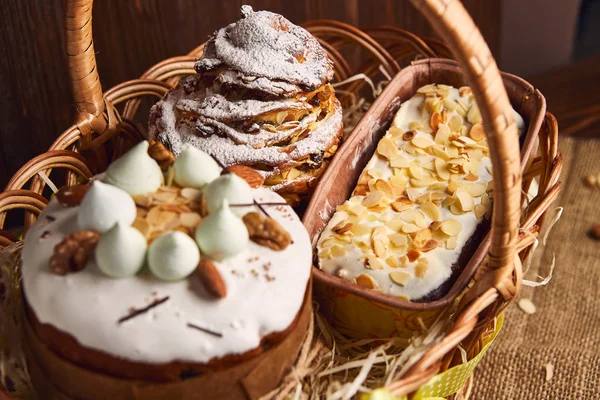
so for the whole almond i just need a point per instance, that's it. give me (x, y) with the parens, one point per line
(71, 196)
(251, 176)
(211, 279)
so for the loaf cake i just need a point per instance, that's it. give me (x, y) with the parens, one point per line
(421, 205)
(261, 98)
(162, 276)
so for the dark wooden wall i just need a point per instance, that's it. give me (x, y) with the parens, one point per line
(132, 35)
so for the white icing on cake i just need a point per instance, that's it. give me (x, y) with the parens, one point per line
(355, 255)
(265, 292)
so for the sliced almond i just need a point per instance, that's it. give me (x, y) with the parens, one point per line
(415, 126)
(443, 134)
(374, 263)
(422, 183)
(477, 133)
(191, 193)
(357, 209)
(441, 168)
(398, 184)
(143, 200)
(379, 248)
(451, 243)
(452, 187)
(409, 228)
(143, 226)
(422, 237)
(429, 245)
(416, 171)
(342, 227)
(420, 269)
(338, 251)
(435, 120)
(413, 193)
(190, 219)
(480, 210)
(399, 277)
(359, 230)
(373, 199)
(413, 255)
(392, 261)
(421, 142)
(432, 211)
(474, 116)
(395, 224)
(398, 239)
(379, 232)
(464, 91)
(451, 227)
(456, 209)
(465, 201)
(475, 189)
(471, 177)
(387, 148)
(395, 133)
(384, 187)
(366, 281)
(399, 162)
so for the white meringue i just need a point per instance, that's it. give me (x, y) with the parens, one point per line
(194, 168)
(104, 205)
(135, 172)
(121, 251)
(222, 234)
(232, 188)
(173, 256)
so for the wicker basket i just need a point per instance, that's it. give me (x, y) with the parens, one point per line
(104, 129)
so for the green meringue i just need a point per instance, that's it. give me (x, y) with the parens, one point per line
(232, 188)
(194, 168)
(222, 234)
(173, 256)
(104, 205)
(135, 172)
(121, 251)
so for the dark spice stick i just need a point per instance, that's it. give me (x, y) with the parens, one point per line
(150, 306)
(201, 329)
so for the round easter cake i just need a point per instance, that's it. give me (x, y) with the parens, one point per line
(148, 276)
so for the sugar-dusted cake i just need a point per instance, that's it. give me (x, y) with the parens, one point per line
(261, 98)
(420, 207)
(149, 276)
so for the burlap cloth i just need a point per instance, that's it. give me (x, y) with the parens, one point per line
(565, 330)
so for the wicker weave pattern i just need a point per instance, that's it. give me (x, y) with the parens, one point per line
(101, 133)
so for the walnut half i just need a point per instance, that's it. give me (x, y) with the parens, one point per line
(73, 252)
(266, 231)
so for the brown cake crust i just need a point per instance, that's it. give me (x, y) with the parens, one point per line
(67, 347)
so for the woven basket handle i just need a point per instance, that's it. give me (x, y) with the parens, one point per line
(81, 58)
(452, 22)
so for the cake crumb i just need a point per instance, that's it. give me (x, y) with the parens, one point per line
(527, 306)
(549, 371)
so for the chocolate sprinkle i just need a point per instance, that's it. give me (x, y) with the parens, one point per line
(201, 329)
(262, 204)
(150, 306)
(261, 208)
